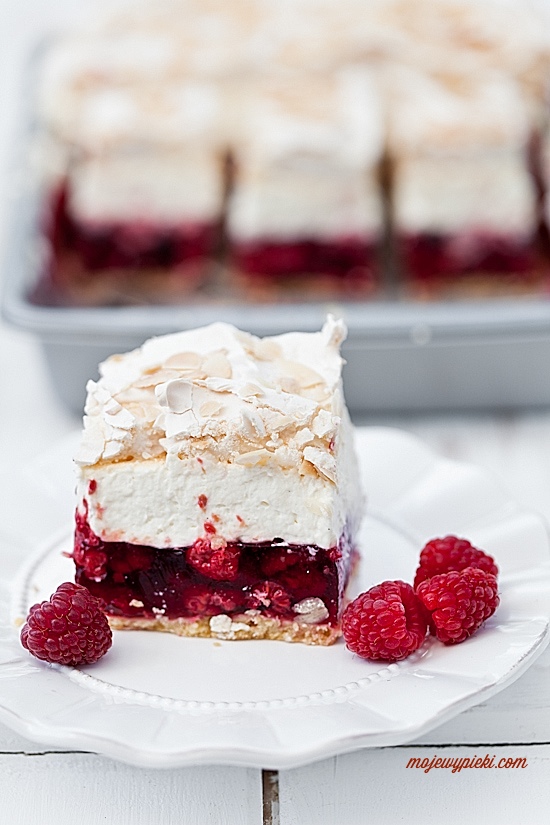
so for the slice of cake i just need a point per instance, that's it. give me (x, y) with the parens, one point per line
(218, 490)
(464, 204)
(305, 210)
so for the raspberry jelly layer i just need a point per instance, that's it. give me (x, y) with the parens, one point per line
(202, 580)
(348, 257)
(131, 244)
(427, 256)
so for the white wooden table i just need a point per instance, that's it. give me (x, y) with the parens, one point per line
(54, 787)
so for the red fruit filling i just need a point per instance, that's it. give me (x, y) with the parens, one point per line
(349, 258)
(81, 250)
(210, 576)
(218, 562)
(125, 245)
(428, 256)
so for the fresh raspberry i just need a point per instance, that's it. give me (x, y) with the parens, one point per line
(220, 563)
(451, 553)
(388, 622)
(459, 602)
(269, 595)
(70, 628)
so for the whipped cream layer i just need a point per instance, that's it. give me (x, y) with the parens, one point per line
(487, 191)
(323, 204)
(215, 425)
(166, 187)
(307, 153)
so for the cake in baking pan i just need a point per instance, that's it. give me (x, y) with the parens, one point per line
(256, 150)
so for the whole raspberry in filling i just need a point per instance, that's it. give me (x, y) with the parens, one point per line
(386, 623)
(219, 563)
(451, 553)
(269, 596)
(200, 601)
(70, 628)
(459, 602)
(209, 577)
(86, 550)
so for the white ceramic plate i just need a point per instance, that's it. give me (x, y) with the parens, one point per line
(160, 700)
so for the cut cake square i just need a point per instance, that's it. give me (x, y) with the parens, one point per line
(218, 490)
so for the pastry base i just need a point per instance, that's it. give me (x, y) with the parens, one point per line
(252, 625)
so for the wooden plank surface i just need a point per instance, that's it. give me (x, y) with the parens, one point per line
(68, 788)
(377, 787)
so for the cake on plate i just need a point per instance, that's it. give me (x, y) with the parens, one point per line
(218, 488)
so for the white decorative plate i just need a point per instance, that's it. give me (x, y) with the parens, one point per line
(160, 700)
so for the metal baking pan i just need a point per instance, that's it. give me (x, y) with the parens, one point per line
(400, 356)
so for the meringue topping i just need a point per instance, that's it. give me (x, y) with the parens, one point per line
(239, 398)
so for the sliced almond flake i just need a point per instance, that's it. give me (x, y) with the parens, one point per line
(249, 389)
(112, 407)
(216, 365)
(159, 376)
(219, 384)
(252, 423)
(144, 412)
(153, 368)
(210, 409)
(184, 361)
(266, 350)
(305, 376)
(322, 461)
(289, 385)
(146, 382)
(275, 422)
(319, 393)
(254, 457)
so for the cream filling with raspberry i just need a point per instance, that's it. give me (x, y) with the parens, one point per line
(172, 502)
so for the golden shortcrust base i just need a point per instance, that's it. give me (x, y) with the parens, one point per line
(248, 625)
